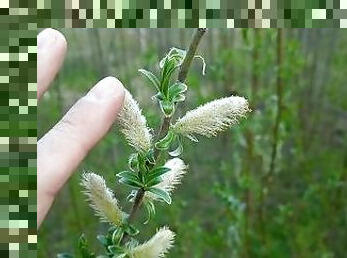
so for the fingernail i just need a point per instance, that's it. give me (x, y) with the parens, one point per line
(108, 87)
(46, 38)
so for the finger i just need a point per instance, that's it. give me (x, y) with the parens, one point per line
(61, 150)
(51, 49)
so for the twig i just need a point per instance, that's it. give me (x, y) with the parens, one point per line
(279, 102)
(266, 178)
(164, 128)
(182, 75)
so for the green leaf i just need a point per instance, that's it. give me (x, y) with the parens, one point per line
(117, 251)
(170, 66)
(131, 230)
(177, 143)
(102, 239)
(176, 53)
(178, 151)
(83, 248)
(150, 156)
(161, 194)
(82, 241)
(167, 107)
(128, 175)
(150, 208)
(164, 143)
(157, 172)
(179, 98)
(159, 96)
(131, 196)
(130, 182)
(133, 162)
(167, 77)
(117, 235)
(176, 89)
(151, 77)
(64, 255)
(154, 181)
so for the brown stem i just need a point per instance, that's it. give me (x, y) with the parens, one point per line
(249, 160)
(279, 102)
(164, 128)
(182, 75)
(267, 178)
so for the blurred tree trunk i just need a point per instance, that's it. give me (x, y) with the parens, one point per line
(139, 39)
(98, 52)
(321, 75)
(168, 42)
(182, 36)
(124, 54)
(249, 136)
(255, 67)
(160, 43)
(268, 177)
(210, 42)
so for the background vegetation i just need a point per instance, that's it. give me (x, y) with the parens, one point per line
(275, 186)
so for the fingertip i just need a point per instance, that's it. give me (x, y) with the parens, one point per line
(60, 40)
(109, 88)
(51, 51)
(50, 37)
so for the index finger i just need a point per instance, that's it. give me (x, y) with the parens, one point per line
(51, 49)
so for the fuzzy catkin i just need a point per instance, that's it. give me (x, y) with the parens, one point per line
(212, 117)
(134, 125)
(172, 177)
(156, 247)
(102, 199)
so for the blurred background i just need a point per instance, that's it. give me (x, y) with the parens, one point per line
(274, 186)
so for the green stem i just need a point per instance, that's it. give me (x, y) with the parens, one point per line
(164, 128)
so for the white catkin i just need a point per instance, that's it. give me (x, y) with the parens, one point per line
(134, 125)
(212, 117)
(172, 177)
(101, 199)
(156, 247)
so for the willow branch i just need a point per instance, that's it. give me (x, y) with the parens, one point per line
(164, 128)
(182, 74)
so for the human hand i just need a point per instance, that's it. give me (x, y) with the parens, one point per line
(60, 151)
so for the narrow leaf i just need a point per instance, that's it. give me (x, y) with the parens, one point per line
(157, 172)
(151, 77)
(150, 208)
(133, 183)
(165, 142)
(133, 162)
(179, 98)
(117, 235)
(161, 194)
(131, 230)
(178, 151)
(117, 251)
(102, 239)
(64, 255)
(176, 89)
(167, 107)
(154, 181)
(128, 175)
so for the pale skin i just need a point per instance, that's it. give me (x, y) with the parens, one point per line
(61, 149)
